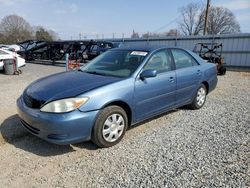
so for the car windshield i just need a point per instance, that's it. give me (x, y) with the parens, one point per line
(3, 52)
(118, 63)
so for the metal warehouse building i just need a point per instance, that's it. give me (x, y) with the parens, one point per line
(236, 48)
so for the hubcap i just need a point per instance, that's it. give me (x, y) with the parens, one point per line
(201, 96)
(113, 127)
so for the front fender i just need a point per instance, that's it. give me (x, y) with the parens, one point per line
(100, 97)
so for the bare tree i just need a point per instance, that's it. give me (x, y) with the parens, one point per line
(191, 19)
(54, 35)
(2, 41)
(151, 35)
(173, 32)
(222, 21)
(15, 29)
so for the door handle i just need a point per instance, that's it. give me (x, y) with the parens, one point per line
(199, 72)
(171, 79)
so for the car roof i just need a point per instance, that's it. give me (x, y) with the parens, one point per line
(146, 48)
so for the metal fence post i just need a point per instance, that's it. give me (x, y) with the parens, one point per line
(67, 61)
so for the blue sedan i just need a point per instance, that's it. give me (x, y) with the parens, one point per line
(119, 88)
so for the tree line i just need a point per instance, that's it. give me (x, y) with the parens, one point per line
(14, 29)
(192, 20)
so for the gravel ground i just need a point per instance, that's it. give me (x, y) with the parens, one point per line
(209, 147)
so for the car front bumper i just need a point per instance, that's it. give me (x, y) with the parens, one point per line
(63, 128)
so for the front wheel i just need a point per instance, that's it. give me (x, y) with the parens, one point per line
(200, 98)
(110, 126)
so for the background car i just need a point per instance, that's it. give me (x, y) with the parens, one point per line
(7, 54)
(119, 88)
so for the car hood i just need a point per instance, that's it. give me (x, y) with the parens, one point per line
(66, 85)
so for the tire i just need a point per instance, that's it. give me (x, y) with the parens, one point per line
(222, 70)
(200, 98)
(110, 126)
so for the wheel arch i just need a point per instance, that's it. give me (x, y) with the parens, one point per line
(124, 106)
(205, 83)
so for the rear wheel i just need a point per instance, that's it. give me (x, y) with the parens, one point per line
(110, 126)
(222, 70)
(200, 98)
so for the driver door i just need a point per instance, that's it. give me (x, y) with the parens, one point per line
(156, 94)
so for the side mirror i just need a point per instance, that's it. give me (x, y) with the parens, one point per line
(149, 73)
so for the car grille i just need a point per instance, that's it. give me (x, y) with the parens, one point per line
(31, 102)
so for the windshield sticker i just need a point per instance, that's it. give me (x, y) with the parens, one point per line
(139, 53)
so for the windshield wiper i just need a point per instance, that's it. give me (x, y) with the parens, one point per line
(94, 72)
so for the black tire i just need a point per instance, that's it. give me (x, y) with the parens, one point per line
(196, 104)
(98, 136)
(222, 70)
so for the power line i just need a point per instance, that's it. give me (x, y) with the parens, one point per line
(166, 25)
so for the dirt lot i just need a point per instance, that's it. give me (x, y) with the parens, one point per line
(209, 147)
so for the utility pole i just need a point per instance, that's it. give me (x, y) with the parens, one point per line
(206, 17)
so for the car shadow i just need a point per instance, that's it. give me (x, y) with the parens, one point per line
(15, 134)
(153, 118)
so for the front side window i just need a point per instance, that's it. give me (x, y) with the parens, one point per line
(182, 59)
(118, 63)
(160, 61)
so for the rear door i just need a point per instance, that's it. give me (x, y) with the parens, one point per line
(154, 95)
(188, 75)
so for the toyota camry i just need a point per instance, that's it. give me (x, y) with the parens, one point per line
(117, 89)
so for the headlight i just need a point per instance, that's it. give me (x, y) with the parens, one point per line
(64, 105)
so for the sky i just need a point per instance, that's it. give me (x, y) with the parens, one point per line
(74, 19)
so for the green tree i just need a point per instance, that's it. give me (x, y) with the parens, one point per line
(42, 34)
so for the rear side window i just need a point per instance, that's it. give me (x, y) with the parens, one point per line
(182, 59)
